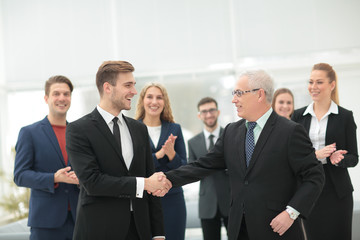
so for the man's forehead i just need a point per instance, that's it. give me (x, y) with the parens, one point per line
(59, 87)
(207, 105)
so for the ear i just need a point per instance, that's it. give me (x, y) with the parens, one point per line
(333, 84)
(46, 98)
(198, 115)
(262, 96)
(107, 87)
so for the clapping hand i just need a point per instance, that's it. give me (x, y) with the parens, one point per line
(337, 156)
(168, 147)
(66, 176)
(326, 151)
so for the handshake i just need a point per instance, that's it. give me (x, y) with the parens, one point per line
(157, 185)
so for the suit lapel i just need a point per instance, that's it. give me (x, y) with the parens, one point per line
(164, 135)
(49, 132)
(103, 128)
(202, 144)
(264, 135)
(240, 141)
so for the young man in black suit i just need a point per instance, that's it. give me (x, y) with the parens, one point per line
(214, 194)
(273, 171)
(111, 156)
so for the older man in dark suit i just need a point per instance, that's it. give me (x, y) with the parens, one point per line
(214, 194)
(273, 171)
(111, 156)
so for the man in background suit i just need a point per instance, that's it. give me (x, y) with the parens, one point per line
(41, 163)
(111, 156)
(273, 171)
(214, 195)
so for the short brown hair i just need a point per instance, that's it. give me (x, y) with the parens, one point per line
(331, 74)
(108, 72)
(57, 79)
(206, 100)
(165, 115)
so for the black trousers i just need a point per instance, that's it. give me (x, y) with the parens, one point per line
(132, 233)
(211, 228)
(243, 234)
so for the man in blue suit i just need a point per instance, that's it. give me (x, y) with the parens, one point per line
(41, 163)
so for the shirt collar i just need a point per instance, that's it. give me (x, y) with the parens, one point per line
(262, 120)
(108, 117)
(216, 132)
(333, 109)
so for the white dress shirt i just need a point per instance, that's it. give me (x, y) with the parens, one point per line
(317, 132)
(154, 133)
(126, 145)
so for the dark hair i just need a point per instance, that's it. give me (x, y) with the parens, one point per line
(331, 74)
(109, 71)
(206, 100)
(57, 79)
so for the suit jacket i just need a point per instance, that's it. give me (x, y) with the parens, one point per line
(38, 157)
(283, 154)
(163, 164)
(106, 185)
(214, 189)
(341, 129)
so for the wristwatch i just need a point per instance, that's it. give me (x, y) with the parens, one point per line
(292, 214)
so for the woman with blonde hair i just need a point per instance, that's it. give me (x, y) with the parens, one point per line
(332, 131)
(168, 151)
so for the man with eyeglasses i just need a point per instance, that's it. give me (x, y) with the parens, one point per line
(273, 172)
(214, 194)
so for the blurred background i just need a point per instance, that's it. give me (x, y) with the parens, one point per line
(196, 48)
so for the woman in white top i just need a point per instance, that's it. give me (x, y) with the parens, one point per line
(168, 150)
(332, 130)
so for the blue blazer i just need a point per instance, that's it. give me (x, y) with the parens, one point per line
(38, 157)
(164, 164)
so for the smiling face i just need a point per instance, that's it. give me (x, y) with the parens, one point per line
(122, 93)
(154, 102)
(284, 105)
(59, 99)
(320, 87)
(208, 113)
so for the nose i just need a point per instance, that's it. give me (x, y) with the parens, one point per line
(134, 91)
(234, 99)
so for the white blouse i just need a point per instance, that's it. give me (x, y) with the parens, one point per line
(317, 132)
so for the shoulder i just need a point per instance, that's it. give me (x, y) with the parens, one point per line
(133, 122)
(344, 111)
(196, 138)
(300, 111)
(35, 125)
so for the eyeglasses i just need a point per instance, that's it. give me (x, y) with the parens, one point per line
(211, 111)
(240, 93)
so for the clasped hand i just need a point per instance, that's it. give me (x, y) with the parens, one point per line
(157, 184)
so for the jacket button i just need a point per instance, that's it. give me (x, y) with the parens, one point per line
(246, 182)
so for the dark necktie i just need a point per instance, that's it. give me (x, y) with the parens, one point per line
(211, 139)
(116, 131)
(249, 142)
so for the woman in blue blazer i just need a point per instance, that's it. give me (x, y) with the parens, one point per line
(168, 151)
(332, 130)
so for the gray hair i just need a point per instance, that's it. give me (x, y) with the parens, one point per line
(260, 79)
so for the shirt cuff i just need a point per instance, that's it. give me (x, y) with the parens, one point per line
(163, 237)
(140, 184)
(294, 210)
